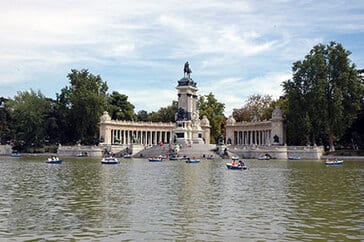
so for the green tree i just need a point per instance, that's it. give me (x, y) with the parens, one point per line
(82, 103)
(50, 124)
(257, 108)
(142, 116)
(4, 122)
(214, 111)
(28, 110)
(324, 94)
(120, 108)
(65, 131)
(354, 136)
(166, 114)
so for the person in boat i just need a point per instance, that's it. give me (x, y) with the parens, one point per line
(233, 163)
(241, 163)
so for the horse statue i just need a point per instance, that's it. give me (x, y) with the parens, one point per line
(187, 70)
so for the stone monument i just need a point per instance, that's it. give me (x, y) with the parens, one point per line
(188, 128)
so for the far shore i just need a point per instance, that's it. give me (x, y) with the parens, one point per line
(330, 157)
(324, 157)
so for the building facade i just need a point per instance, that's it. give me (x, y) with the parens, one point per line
(271, 132)
(188, 128)
(115, 132)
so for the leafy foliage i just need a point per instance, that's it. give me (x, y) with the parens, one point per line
(120, 108)
(324, 95)
(257, 108)
(166, 114)
(214, 111)
(27, 111)
(83, 103)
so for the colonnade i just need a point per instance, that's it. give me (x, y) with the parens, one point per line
(253, 137)
(144, 137)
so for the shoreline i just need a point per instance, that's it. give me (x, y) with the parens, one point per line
(343, 157)
(323, 157)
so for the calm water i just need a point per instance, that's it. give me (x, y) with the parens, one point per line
(83, 200)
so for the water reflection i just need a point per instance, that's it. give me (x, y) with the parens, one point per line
(137, 200)
(328, 200)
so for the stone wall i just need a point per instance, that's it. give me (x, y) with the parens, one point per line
(306, 152)
(278, 152)
(92, 151)
(5, 149)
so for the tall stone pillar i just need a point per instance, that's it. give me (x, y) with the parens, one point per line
(188, 124)
(277, 134)
(105, 132)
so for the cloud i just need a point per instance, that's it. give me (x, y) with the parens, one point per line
(234, 92)
(243, 46)
(151, 99)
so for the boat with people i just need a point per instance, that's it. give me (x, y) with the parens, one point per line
(334, 162)
(264, 157)
(193, 160)
(155, 159)
(82, 154)
(294, 158)
(15, 155)
(53, 160)
(211, 157)
(110, 160)
(127, 156)
(236, 165)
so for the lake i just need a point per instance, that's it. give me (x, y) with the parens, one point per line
(83, 200)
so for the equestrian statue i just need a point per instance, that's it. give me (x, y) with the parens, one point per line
(187, 70)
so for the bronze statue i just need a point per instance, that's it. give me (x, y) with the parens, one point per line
(187, 70)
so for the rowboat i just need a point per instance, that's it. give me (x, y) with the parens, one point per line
(236, 166)
(53, 160)
(109, 160)
(193, 160)
(264, 158)
(127, 156)
(16, 155)
(155, 159)
(294, 158)
(334, 162)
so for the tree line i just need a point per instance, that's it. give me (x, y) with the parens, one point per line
(323, 104)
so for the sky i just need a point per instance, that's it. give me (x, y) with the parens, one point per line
(235, 48)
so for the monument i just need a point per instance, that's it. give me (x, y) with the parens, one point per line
(189, 129)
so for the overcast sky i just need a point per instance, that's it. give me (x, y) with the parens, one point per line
(235, 48)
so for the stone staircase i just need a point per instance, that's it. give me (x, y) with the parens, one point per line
(198, 150)
(153, 151)
(195, 150)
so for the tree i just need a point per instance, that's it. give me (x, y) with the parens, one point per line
(324, 94)
(354, 136)
(51, 128)
(82, 103)
(27, 112)
(214, 111)
(5, 134)
(120, 108)
(166, 114)
(142, 116)
(257, 108)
